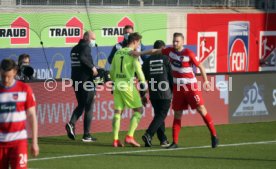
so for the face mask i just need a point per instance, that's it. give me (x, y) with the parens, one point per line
(126, 36)
(92, 43)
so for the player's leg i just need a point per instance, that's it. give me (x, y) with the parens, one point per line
(19, 156)
(161, 130)
(209, 123)
(134, 121)
(196, 102)
(70, 127)
(116, 122)
(179, 103)
(4, 160)
(161, 108)
(81, 99)
(131, 99)
(88, 115)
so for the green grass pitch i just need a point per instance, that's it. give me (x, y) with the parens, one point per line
(242, 146)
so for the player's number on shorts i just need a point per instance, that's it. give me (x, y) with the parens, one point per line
(122, 60)
(23, 159)
(197, 98)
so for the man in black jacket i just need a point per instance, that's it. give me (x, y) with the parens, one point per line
(83, 71)
(157, 70)
(128, 29)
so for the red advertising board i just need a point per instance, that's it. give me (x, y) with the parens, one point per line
(54, 109)
(238, 40)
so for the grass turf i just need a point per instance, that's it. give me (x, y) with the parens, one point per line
(251, 156)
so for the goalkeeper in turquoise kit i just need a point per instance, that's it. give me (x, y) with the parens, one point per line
(122, 72)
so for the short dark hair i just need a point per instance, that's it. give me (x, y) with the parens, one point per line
(177, 34)
(133, 37)
(128, 27)
(7, 65)
(22, 57)
(159, 44)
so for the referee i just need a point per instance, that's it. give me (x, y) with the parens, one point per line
(83, 71)
(157, 70)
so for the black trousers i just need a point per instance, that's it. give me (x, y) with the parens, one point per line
(85, 100)
(161, 108)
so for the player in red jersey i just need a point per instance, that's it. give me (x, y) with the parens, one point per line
(16, 104)
(185, 89)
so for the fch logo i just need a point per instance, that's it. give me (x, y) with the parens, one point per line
(72, 31)
(117, 31)
(267, 49)
(238, 46)
(207, 50)
(19, 32)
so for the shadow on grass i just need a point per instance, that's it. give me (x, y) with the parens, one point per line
(67, 141)
(194, 157)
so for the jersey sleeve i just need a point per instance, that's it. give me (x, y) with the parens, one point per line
(84, 54)
(193, 58)
(166, 51)
(112, 70)
(30, 98)
(138, 70)
(145, 68)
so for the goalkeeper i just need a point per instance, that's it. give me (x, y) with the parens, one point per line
(122, 72)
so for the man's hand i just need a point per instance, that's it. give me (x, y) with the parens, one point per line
(135, 53)
(207, 86)
(35, 149)
(144, 101)
(94, 71)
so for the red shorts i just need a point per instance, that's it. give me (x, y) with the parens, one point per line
(186, 95)
(14, 156)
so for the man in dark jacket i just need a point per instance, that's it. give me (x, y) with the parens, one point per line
(127, 30)
(83, 71)
(157, 70)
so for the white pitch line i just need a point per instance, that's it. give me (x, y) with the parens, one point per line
(154, 150)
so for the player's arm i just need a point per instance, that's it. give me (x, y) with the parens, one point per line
(33, 124)
(204, 75)
(201, 68)
(142, 81)
(84, 60)
(203, 72)
(169, 71)
(146, 52)
(112, 71)
(111, 55)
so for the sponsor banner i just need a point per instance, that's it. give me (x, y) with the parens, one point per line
(54, 109)
(64, 30)
(56, 62)
(240, 41)
(207, 50)
(238, 46)
(252, 98)
(267, 50)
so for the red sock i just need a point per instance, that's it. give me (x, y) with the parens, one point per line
(210, 124)
(176, 129)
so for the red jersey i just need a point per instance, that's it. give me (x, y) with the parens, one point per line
(182, 65)
(14, 101)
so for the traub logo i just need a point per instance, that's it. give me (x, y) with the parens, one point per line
(118, 30)
(18, 33)
(72, 32)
